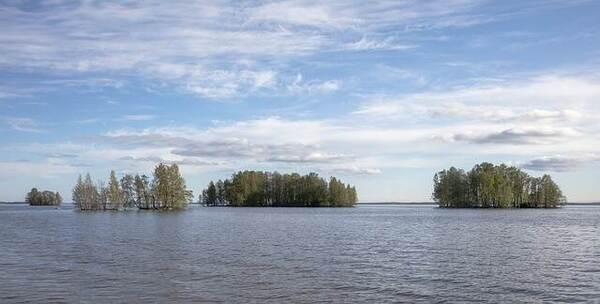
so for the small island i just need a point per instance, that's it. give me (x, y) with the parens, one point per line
(43, 198)
(272, 189)
(491, 186)
(166, 191)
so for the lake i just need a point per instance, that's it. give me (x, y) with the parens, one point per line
(367, 254)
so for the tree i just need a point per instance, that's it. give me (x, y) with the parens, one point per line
(33, 196)
(211, 195)
(167, 190)
(92, 198)
(86, 195)
(104, 195)
(263, 189)
(57, 199)
(128, 190)
(78, 193)
(220, 193)
(143, 196)
(490, 186)
(114, 193)
(43, 198)
(169, 187)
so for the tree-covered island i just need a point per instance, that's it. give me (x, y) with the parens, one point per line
(272, 189)
(43, 198)
(491, 186)
(166, 191)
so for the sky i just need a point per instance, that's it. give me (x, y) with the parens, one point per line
(382, 94)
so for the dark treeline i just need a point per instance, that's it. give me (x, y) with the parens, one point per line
(266, 189)
(166, 190)
(490, 186)
(43, 198)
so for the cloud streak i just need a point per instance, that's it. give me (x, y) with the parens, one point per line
(22, 124)
(138, 117)
(195, 45)
(559, 163)
(516, 136)
(550, 97)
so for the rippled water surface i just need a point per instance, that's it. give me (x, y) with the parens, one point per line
(368, 254)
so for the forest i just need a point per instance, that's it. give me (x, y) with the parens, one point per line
(43, 198)
(165, 191)
(495, 186)
(272, 189)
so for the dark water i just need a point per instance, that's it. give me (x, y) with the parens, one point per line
(368, 254)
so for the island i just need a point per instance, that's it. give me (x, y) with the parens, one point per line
(495, 186)
(43, 198)
(272, 189)
(166, 191)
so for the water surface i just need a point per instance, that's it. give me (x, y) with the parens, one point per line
(375, 254)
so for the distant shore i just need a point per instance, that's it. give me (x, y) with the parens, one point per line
(397, 203)
(433, 203)
(362, 204)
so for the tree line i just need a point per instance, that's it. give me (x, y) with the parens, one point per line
(43, 198)
(166, 190)
(491, 186)
(272, 189)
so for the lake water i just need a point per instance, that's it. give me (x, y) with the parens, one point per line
(368, 254)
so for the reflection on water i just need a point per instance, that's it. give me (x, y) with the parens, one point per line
(371, 254)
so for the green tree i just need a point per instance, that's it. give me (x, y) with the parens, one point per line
(220, 193)
(78, 193)
(43, 198)
(169, 187)
(143, 196)
(32, 196)
(211, 195)
(114, 193)
(490, 186)
(262, 189)
(128, 190)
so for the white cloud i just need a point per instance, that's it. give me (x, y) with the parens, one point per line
(355, 170)
(45, 169)
(328, 144)
(193, 45)
(87, 121)
(530, 135)
(251, 140)
(138, 117)
(152, 160)
(264, 142)
(559, 163)
(346, 143)
(309, 157)
(366, 16)
(388, 43)
(92, 83)
(300, 13)
(224, 84)
(6, 94)
(299, 86)
(22, 124)
(549, 97)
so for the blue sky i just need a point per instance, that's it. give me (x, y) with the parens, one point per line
(382, 94)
